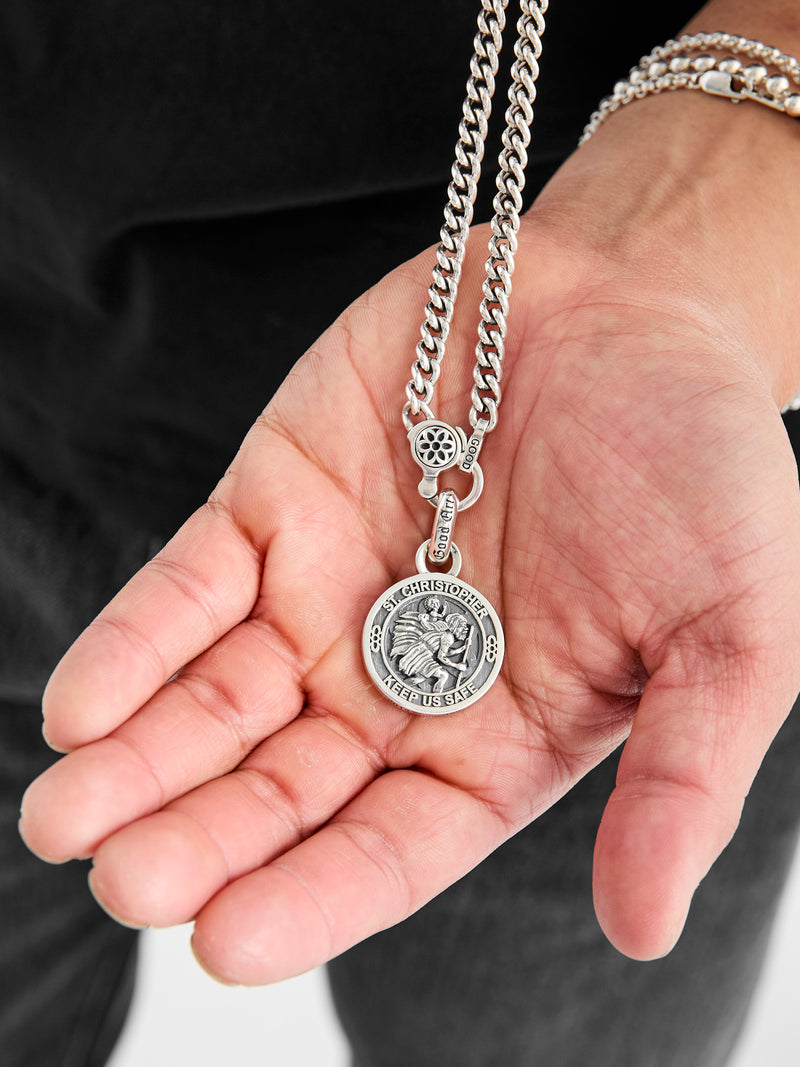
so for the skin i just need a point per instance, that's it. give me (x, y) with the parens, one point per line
(639, 534)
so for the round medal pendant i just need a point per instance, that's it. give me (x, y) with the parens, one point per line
(433, 644)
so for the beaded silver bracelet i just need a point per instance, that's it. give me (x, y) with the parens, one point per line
(711, 63)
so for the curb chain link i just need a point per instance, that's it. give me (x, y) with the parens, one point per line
(505, 223)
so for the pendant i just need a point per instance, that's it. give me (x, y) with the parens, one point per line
(433, 644)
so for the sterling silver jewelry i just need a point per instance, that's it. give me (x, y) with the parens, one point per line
(711, 63)
(431, 642)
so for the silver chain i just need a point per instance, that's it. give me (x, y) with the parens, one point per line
(416, 626)
(505, 223)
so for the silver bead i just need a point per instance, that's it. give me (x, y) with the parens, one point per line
(777, 85)
(655, 70)
(703, 63)
(731, 65)
(678, 64)
(636, 77)
(791, 105)
(620, 89)
(755, 73)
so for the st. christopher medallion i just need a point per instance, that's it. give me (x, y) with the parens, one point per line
(433, 644)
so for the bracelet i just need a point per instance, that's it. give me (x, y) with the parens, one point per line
(772, 79)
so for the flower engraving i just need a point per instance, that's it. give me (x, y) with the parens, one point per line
(436, 446)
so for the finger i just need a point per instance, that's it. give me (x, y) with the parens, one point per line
(697, 741)
(196, 727)
(163, 869)
(202, 583)
(400, 842)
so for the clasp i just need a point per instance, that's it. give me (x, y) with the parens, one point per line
(718, 83)
(436, 447)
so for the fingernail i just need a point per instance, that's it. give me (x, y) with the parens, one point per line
(49, 743)
(676, 938)
(122, 922)
(211, 974)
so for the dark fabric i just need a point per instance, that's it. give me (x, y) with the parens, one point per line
(66, 969)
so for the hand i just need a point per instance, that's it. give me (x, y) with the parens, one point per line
(638, 535)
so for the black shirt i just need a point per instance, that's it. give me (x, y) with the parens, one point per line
(178, 177)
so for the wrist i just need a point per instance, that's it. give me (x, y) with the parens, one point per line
(775, 22)
(694, 198)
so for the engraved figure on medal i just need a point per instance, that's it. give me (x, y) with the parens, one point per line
(433, 644)
(426, 643)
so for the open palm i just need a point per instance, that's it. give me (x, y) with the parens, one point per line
(638, 535)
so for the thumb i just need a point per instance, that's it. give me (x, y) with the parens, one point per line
(700, 733)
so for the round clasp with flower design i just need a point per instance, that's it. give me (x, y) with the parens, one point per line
(436, 446)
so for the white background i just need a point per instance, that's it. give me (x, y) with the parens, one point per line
(180, 1016)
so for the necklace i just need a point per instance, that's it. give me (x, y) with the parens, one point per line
(431, 642)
